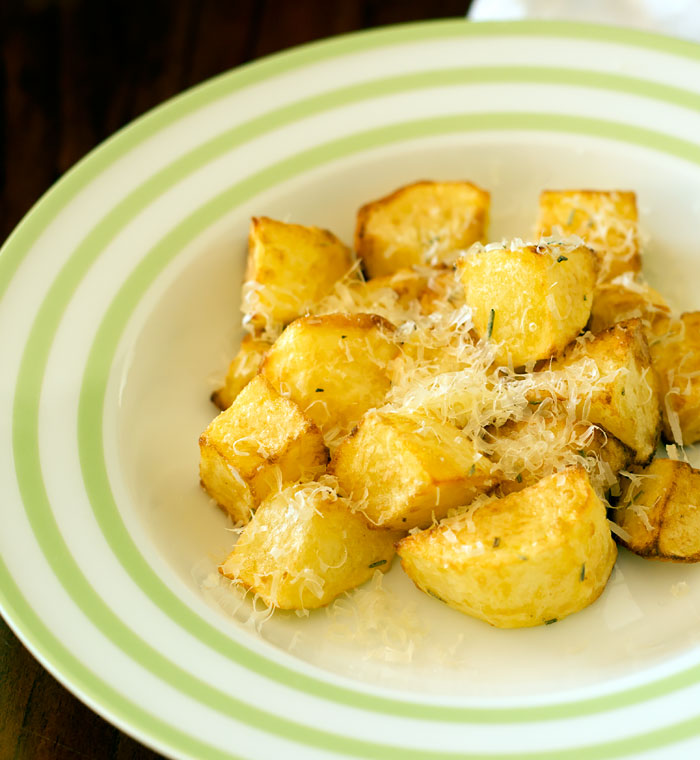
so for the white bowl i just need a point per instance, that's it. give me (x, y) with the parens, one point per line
(120, 311)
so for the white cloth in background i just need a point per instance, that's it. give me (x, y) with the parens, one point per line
(680, 18)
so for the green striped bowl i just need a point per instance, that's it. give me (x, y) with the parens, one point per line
(119, 309)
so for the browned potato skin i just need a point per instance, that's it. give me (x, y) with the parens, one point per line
(394, 232)
(405, 471)
(602, 445)
(260, 437)
(442, 287)
(676, 348)
(671, 500)
(528, 559)
(573, 211)
(620, 408)
(613, 303)
(241, 371)
(298, 530)
(333, 353)
(407, 284)
(294, 266)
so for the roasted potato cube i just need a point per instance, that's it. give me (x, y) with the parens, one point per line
(619, 388)
(241, 371)
(406, 470)
(290, 267)
(532, 557)
(549, 440)
(260, 441)
(334, 367)
(605, 220)
(406, 285)
(660, 511)
(615, 302)
(421, 223)
(532, 300)
(675, 353)
(304, 546)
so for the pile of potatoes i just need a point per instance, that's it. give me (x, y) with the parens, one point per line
(550, 371)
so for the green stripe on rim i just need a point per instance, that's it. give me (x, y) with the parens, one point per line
(163, 737)
(98, 366)
(106, 154)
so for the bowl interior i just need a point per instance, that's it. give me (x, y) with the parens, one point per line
(187, 329)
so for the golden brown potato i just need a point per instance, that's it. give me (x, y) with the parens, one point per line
(241, 370)
(420, 224)
(618, 302)
(404, 471)
(334, 367)
(259, 442)
(604, 220)
(619, 388)
(660, 511)
(675, 353)
(532, 557)
(290, 267)
(304, 546)
(405, 283)
(532, 300)
(548, 441)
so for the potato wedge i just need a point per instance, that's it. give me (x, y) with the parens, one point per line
(290, 267)
(532, 300)
(241, 371)
(604, 220)
(421, 223)
(660, 511)
(405, 471)
(530, 558)
(334, 367)
(675, 353)
(304, 546)
(261, 441)
(619, 388)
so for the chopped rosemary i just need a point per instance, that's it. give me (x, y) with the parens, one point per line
(549, 622)
(489, 329)
(519, 477)
(319, 390)
(582, 577)
(496, 542)
(378, 563)
(472, 470)
(561, 258)
(345, 336)
(534, 403)
(585, 298)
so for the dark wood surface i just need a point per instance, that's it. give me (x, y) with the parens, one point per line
(71, 73)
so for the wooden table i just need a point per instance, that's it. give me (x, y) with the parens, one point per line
(71, 73)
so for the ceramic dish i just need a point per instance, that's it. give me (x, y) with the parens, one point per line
(119, 312)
